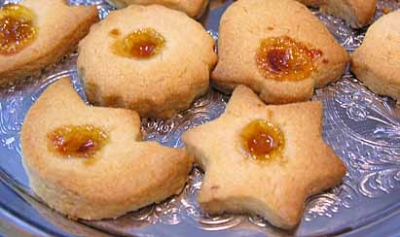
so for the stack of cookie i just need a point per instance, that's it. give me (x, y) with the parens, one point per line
(152, 59)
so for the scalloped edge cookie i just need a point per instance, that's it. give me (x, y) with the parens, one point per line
(158, 86)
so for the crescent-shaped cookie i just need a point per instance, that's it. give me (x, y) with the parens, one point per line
(37, 33)
(90, 163)
(263, 160)
(193, 8)
(151, 59)
(377, 61)
(357, 13)
(278, 48)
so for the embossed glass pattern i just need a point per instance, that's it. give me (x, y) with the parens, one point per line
(363, 129)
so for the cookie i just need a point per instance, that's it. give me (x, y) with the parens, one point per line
(35, 34)
(263, 160)
(277, 48)
(357, 13)
(193, 8)
(147, 58)
(90, 163)
(377, 61)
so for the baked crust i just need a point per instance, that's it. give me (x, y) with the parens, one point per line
(357, 13)
(193, 8)
(275, 189)
(377, 61)
(56, 37)
(126, 174)
(247, 22)
(156, 87)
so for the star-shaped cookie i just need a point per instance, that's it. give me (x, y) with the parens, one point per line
(262, 159)
(90, 163)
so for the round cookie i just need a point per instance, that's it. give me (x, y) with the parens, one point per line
(35, 34)
(148, 58)
(278, 48)
(91, 163)
(193, 8)
(377, 61)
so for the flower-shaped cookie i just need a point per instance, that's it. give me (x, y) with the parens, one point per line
(151, 59)
(357, 13)
(90, 163)
(193, 8)
(278, 48)
(37, 33)
(377, 61)
(263, 160)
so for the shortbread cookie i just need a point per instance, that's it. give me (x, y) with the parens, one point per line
(263, 160)
(37, 33)
(357, 13)
(90, 163)
(377, 61)
(148, 58)
(278, 48)
(193, 8)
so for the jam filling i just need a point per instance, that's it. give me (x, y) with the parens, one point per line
(263, 140)
(282, 58)
(77, 141)
(141, 44)
(17, 28)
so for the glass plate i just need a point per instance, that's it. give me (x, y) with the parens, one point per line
(363, 129)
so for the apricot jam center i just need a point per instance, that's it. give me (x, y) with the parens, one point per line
(141, 44)
(262, 140)
(282, 58)
(77, 141)
(17, 28)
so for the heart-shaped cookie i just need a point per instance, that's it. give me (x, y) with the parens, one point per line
(278, 48)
